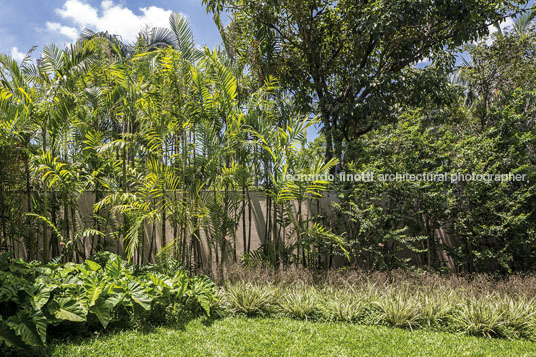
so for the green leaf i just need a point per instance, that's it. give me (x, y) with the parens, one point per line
(162, 282)
(93, 293)
(103, 310)
(41, 295)
(115, 299)
(9, 336)
(68, 309)
(31, 327)
(114, 267)
(94, 286)
(92, 265)
(204, 291)
(138, 294)
(40, 322)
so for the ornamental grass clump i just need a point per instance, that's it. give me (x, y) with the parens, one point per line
(399, 308)
(344, 304)
(481, 316)
(250, 298)
(299, 302)
(519, 317)
(436, 307)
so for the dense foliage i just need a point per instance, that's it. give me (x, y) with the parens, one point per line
(173, 156)
(101, 291)
(490, 224)
(157, 136)
(353, 62)
(156, 149)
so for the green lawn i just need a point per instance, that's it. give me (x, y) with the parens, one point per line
(283, 337)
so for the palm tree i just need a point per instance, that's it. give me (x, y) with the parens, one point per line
(166, 136)
(524, 23)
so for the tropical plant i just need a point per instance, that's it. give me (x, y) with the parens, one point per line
(34, 296)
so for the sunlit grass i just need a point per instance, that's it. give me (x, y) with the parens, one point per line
(239, 336)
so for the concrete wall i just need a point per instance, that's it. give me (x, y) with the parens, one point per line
(153, 239)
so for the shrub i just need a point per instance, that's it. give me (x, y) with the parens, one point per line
(481, 316)
(436, 307)
(104, 289)
(519, 317)
(344, 304)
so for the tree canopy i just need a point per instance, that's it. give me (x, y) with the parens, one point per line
(353, 62)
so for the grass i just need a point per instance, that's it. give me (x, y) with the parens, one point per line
(292, 313)
(487, 315)
(233, 336)
(476, 305)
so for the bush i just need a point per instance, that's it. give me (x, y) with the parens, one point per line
(344, 304)
(399, 309)
(101, 291)
(481, 317)
(436, 307)
(519, 316)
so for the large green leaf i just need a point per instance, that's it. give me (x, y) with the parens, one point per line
(41, 295)
(103, 310)
(31, 327)
(9, 336)
(138, 294)
(113, 267)
(71, 281)
(94, 287)
(161, 282)
(204, 291)
(40, 321)
(92, 265)
(115, 298)
(9, 291)
(68, 309)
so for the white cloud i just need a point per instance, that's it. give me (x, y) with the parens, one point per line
(70, 32)
(504, 25)
(507, 23)
(111, 17)
(16, 54)
(80, 13)
(425, 60)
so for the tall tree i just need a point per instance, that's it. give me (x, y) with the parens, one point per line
(352, 61)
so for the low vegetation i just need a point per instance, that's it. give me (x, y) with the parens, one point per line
(40, 302)
(99, 292)
(477, 305)
(241, 336)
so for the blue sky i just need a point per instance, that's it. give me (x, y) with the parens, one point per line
(25, 23)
